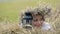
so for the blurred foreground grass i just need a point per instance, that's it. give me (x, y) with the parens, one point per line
(9, 12)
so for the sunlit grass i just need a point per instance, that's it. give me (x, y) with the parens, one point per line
(12, 8)
(9, 12)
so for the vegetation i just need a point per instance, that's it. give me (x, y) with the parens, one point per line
(9, 16)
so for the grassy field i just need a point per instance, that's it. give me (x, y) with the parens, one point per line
(9, 12)
(11, 8)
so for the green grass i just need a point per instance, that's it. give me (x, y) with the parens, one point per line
(11, 9)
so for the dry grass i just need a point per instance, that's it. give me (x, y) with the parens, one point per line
(13, 28)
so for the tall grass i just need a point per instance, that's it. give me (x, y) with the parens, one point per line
(9, 23)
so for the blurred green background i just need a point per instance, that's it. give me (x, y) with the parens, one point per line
(11, 8)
